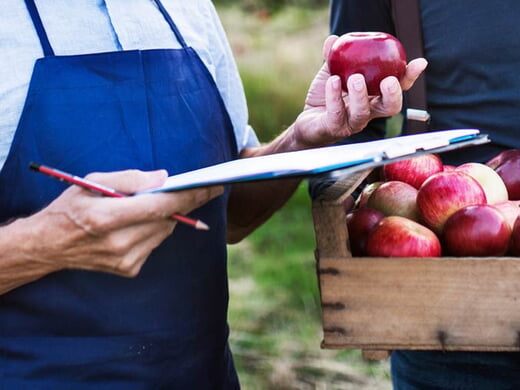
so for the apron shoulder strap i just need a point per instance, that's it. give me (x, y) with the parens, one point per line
(407, 21)
(171, 23)
(37, 21)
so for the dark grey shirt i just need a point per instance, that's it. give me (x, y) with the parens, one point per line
(473, 77)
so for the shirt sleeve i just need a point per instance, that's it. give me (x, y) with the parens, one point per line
(230, 85)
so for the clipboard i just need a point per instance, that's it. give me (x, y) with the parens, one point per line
(337, 161)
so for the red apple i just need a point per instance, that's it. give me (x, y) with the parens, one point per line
(395, 198)
(502, 157)
(448, 167)
(396, 236)
(413, 171)
(375, 55)
(367, 190)
(444, 193)
(507, 165)
(514, 246)
(510, 209)
(478, 230)
(359, 223)
(491, 182)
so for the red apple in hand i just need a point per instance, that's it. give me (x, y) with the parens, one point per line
(375, 55)
(507, 165)
(479, 230)
(413, 171)
(444, 193)
(359, 223)
(401, 237)
(491, 182)
(395, 198)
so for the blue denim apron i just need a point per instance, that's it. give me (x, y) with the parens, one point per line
(165, 329)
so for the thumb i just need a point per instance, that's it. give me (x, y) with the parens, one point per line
(130, 181)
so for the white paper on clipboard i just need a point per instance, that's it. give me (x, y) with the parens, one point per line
(340, 159)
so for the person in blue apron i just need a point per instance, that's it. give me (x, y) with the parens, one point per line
(68, 320)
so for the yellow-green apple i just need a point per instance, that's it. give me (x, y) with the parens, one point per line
(395, 198)
(396, 236)
(367, 190)
(444, 193)
(478, 230)
(359, 223)
(415, 170)
(491, 182)
(375, 55)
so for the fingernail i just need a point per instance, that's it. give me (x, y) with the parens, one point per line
(336, 83)
(358, 82)
(425, 62)
(393, 85)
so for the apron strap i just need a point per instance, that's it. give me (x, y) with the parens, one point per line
(44, 39)
(35, 16)
(171, 23)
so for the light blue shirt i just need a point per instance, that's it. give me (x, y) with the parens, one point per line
(92, 26)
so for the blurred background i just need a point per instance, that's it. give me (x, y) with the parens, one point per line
(274, 310)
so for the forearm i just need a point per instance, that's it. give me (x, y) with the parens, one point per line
(18, 262)
(251, 204)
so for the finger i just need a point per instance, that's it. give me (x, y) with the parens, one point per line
(149, 207)
(131, 264)
(327, 45)
(413, 71)
(359, 106)
(130, 181)
(334, 103)
(192, 199)
(119, 250)
(391, 96)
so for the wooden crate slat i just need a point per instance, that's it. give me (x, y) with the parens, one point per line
(382, 303)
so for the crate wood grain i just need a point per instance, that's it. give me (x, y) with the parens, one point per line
(383, 304)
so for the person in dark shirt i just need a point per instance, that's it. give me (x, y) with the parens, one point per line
(472, 81)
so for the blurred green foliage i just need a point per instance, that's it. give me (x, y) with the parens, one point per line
(274, 311)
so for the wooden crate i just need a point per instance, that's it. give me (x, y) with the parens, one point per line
(382, 304)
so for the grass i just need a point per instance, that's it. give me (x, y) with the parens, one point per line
(274, 311)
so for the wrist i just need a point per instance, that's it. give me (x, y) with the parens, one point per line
(26, 244)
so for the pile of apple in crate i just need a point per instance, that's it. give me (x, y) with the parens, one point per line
(433, 259)
(420, 207)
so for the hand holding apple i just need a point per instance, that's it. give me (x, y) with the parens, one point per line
(331, 113)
